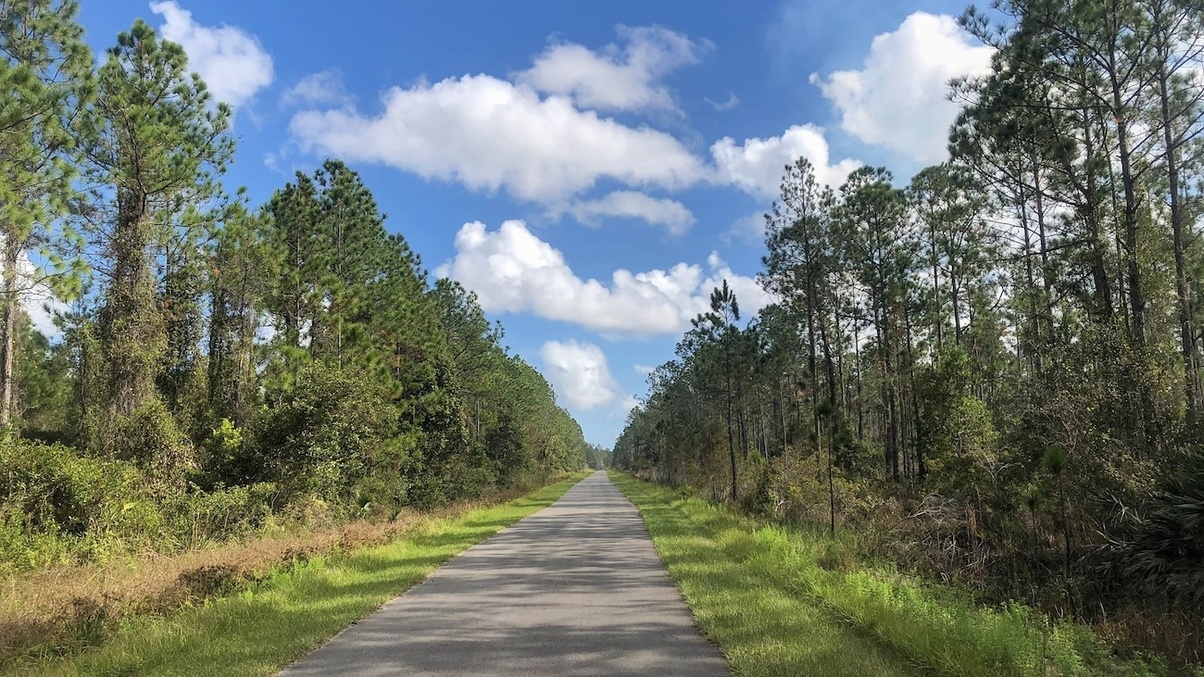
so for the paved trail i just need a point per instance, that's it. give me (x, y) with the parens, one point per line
(575, 589)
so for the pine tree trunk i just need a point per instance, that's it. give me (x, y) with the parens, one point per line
(1183, 292)
(133, 335)
(12, 307)
(1098, 257)
(731, 440)
(1136, 292)
(937, 321)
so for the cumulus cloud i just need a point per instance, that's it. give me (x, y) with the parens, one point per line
(626, 404)
(757, 165)
(579, 373)
(512, 270)
(898, 99)
(317, 89)
(540, 138)
(620, 77)
(491, 134)
(644, 370)
(671, 214)
(231, 61)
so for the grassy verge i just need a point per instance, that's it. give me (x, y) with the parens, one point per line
(293, 610)
(780, 602)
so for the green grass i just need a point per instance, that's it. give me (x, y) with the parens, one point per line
(760, 592)
(761, 627)
(258, 631)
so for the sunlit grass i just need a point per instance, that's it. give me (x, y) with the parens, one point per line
(762, 628)
(258, 631)
(760, 593)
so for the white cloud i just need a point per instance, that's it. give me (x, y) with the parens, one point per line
(230, 60)
(626, 404)
(898, 100)
(757, 165)
(579, 373)
(732, 102)
(490, 134)
(42, 307)
(644, 370)
(671, 214)
(619, 77)
(749, 228)
(748, 291)
(316, 89)
(512, 270)
(37, 299)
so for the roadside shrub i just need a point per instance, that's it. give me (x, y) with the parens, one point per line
(150, 438)
(56, 506)
(385, 487)
(319, 439)
(797, 492)
(1163, 552)
(222, 513)
(222, 451)
(504, 448)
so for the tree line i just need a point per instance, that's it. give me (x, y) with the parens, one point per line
(995, 368)
(206, 344)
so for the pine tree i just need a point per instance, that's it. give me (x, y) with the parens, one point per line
(158, 146)
(46, 73)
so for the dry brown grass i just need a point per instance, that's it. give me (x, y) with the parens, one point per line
(1175, 635)
(64, 609)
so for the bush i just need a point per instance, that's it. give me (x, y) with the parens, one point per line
(322, 437)
(56, 506)
(150, 438)
(1164, 549)
(222, 513)
(221, 463)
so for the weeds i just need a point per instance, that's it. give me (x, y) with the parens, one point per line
(68, 611)
(797, 571)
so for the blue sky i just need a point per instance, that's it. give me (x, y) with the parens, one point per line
(591, 170)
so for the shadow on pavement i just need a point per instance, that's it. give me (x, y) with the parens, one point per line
(575, 589)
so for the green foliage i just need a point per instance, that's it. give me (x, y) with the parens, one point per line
(57, 507)
(806, 575)
(505, 449)
(221, 514)
(997, 369)
(958, 439)
(223, 451)
(1161, 550)
(295, 608)
(238, 285)
(224, 369)
(321, 439)
(44, 383)
(151, 439)
(46, 74)
(598, 458)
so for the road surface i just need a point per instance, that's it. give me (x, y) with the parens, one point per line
(575, 589)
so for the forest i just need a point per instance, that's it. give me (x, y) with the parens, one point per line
(216, 365)
(990, 374)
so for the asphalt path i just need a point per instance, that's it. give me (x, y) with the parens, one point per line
(574, 589)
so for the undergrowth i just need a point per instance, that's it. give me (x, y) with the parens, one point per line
(930, 628)
(151, 613)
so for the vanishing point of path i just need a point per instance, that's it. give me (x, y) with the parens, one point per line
(575, 589)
